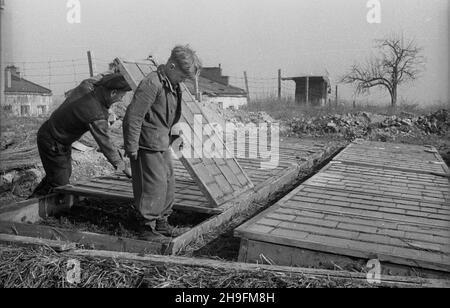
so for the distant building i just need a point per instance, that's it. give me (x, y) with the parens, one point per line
(311, 90)
(215, 88)
(23, 97)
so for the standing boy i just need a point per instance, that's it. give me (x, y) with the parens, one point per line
(155, 108)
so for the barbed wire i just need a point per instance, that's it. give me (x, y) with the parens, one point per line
(60, 72)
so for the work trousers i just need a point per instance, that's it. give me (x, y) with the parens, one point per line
(153, 185)
(57, 162)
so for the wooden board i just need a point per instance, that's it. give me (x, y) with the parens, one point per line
(84, 239)
(295, 158)
(244, 267)
(428, 192)
(17, 240)
(221, 179)
(364, 210)
(257, 252)
(188, 195)
(308, 155)
(415, 158)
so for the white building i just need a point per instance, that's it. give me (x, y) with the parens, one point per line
(215, 89)
(23, 97)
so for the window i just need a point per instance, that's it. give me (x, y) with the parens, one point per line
(42, 109)
(7, 108)
(25, 110)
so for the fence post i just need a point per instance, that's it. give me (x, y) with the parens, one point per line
(307, 91)
(279, 84)
(336, 100)
(246, 87)
(91, 68)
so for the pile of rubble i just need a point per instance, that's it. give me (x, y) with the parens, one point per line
(364, 124)
(250, 117)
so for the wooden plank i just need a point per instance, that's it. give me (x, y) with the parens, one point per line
(201, 207)
(356, 209)
(366, 251)
(135, 73)
(333, 196)
(57, 246)
(394, 157)
(87, 239)
(34, 210)
(378, 226)
(336, 230)
(242, 203)
(238, 266)
(261, 252)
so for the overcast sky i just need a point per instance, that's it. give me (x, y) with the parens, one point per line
(258, 36)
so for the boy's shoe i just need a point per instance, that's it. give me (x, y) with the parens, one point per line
(163, 227)
(150, 234)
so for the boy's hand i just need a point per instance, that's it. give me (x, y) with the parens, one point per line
(177, 142)
(121, 167)
(133, 155)
(127, 172)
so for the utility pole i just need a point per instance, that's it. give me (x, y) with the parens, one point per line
(307, 91)
(279, 84)
(246, 87)
(336, 100)
(91, 67)
(2, 68)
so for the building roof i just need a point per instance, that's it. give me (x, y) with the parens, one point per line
(324, 78)
(213, 88)
(21, 85)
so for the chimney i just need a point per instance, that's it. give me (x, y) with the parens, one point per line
(14, 70)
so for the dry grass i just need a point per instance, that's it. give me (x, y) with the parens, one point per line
(44, 268)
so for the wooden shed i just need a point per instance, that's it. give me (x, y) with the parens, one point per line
(312, 90)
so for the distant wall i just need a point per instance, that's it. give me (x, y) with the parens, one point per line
(19, 104)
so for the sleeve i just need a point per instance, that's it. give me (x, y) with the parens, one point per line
(100, 131)
(144, 96)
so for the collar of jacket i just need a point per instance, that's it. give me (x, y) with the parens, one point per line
(165, 80)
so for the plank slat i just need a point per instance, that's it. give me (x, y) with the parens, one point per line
(395, 210)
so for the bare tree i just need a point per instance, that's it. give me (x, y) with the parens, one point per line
(398, 62)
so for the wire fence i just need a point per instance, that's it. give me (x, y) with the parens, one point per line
(58, 75)
(62, 75)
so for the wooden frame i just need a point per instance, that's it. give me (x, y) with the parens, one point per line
(385, 281)
(33, 210)
(83, 239)
(254, 251)
(229, 180)
(362, 211)
(238, 205)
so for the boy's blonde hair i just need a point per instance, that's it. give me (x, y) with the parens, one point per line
(186, 59)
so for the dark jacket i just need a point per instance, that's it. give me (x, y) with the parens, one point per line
(154, 109)
(84, 109)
